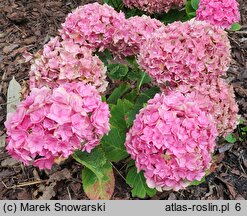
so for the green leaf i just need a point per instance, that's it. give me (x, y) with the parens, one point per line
(141, 100)
(92, 160)
(189, 9)
(118, 92)
(196, 183)
(173, 15)
(235, 27)
(244, 128)
(113, 145)
(144, 79)
(105, 56)
(117, 71)
(98, 187)
(230, 138)
(195, 4)
(118, 114)
(138, 183)
(131, 96)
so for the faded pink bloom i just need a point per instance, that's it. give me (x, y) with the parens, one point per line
(222, 13)
(185, 53)
(92, 25)
(129, 38)
(217, 98)
(66, 61)
(154, 6)
(172, 140)
(52, 124)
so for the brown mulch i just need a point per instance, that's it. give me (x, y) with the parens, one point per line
(26, 25)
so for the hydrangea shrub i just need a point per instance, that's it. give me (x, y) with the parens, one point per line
(170, 106)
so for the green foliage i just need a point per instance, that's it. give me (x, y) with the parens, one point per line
(105, 56)
(98, 187)
(195, 4)
(117, 71)
(172, 16)
(231, 138)
(118, 93)
(97, 175)
(190, 8)
(113, 145)
(196, 183)
(138, 183)
(235, 27)
(117, 4)
(92, 160)
(140, 102)
(118, 114)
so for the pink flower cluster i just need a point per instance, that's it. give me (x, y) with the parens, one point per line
(171, 140)
(52, 124)
(154, 6)
(221, 13)
(93, 25)
(66, 61)
(137, 30)
(100, 27)
(185, 53)
(216, 98)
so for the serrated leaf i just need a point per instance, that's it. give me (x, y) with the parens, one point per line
(235, 27)
(117, 71)
(113, 145)
(13, 95)
(118, 114)
(141, 100)
(230, 138)
(93, 160)
(118, 92)
(138, 183)
(98, 188)
(195, 4)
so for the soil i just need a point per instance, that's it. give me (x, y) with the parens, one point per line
(26, 25)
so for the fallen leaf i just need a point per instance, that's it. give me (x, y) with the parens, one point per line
(9, 162)
(6, 174)
(225, 147)
(13, 95)
(10, 48)
(2, 140)
(230, 186)
(60, 175)
(172, 196)
(48, 192)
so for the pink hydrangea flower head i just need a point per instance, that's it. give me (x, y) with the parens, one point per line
(154, 6)
(221, 13)
(129, 38)
(51, 124)
(171, 140)
(217, 98)
(92, 25)
(185, 53)
(67, 61)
